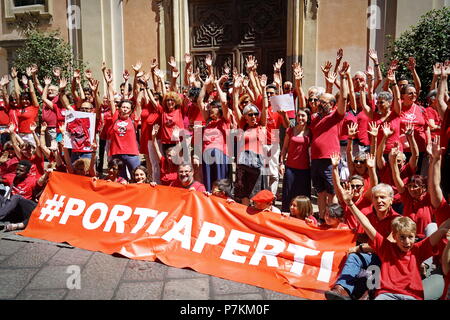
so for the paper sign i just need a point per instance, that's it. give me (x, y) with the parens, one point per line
(283, 102)
(80, 130)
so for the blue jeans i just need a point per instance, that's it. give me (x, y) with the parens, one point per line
(129, 161)
(295, 182)
(355, 263)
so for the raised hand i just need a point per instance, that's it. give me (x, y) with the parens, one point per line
(62, 84)
(24, 80)
(411, 63)
(387, 131)
(28, 72)
(437, 69)
(277, 66)
(347, 193)
(13, 72)
(331, 78)
(436, 149)
(339, 54)
(126, 75)
(34, 68)
(335, 158)
(409, 129)
(33, 127)
(326, 67)
(43, 126)
(370, 160)
(76, 74)
(187, 58)
(345, 69)
(94, 85)
(250, 63)
(208, 60)
(352, 129)
(263, 80)
(88, 74)
(373, 55)
(246, 81)
(373, 129)
(391, 75)
(394, 65)
(153, 64)
(4, 80)
(57, 72)
(369, 73)
(137, 67)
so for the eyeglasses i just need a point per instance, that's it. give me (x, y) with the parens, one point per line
(313, 99)
(252, 114)
(356, 186)
(359, 161)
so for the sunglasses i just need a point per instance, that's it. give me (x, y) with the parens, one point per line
(313, 99)
(359, 161)
(356, 186)
(253, 114)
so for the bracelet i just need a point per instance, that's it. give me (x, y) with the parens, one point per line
(376, 64)
(392, 84)
(350, 204)
(361, 248)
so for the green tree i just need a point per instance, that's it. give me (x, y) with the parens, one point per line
(47, 50)
(428, 42)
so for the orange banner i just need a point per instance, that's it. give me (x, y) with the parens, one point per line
(184, 228)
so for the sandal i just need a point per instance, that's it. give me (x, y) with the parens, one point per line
(14, 226)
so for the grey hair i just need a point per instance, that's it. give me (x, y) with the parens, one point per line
(383, 187)
(319, 90)
(385, 95)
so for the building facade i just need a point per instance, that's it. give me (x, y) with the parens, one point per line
(122, 32)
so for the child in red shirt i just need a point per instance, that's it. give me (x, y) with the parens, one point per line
(400, 277)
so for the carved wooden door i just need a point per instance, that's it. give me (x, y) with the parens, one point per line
(231, 30)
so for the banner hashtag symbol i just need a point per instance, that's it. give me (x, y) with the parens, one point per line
(52, 207)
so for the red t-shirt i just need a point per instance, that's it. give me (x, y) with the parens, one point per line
(253, 139)
(445, 130)
(394, 121)
(420, 211)
(349, 118)
(382, 226)
(274, 121)
(415, 114)
(106, 122)
(37, 166)
(215, 135)
(25, 117)
(196, 185)
(123, 136)
(9, 167)
(4, 114)
(298, 150)
(325, 135)
(400, 270)
(172, 125)
(24, 188)
(49, 115)
(432, 114)
(168, 172)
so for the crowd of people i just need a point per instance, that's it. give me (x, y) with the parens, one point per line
(374, 157)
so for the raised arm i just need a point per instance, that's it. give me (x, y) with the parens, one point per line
(397, 107)
(409, 133)
(16, 83)
(33, 127)
(298, 76)
(265, 105)
(251, 65)
(237, 86)
(378, 75)
(158, 152)
(222, 97)
(395, 170)
(366, 109)
(48, 103)
(37, 85)
(277, 77)
(34, 99)
(45, 150)
(434, 173)
(342, 101)
(365, 223)
(412, 68)
(335, 158)
(442, 91)
(373, 133)
(387, 132)
(352, 129)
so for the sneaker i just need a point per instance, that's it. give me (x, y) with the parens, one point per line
(338, 292)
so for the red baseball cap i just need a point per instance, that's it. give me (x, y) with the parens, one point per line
(264, 196)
